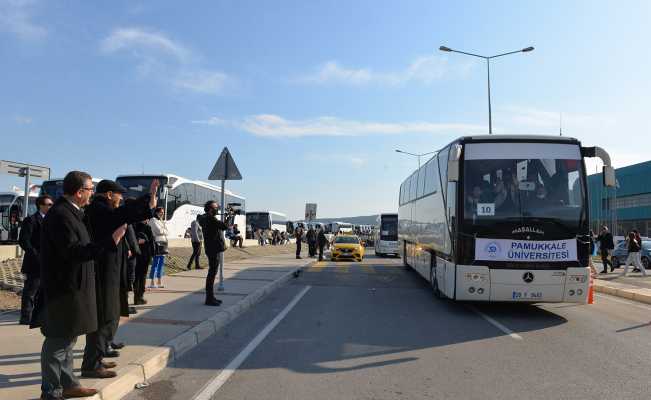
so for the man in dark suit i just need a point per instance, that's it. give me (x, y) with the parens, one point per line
(68, 307)
(103, 215)
(213, 243)
(30, 242)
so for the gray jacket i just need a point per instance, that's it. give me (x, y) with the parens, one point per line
(196, 233)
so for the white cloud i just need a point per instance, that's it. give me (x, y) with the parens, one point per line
(139, 40)
(270, 125)
(16, 18)
(210, 121)
(23, 120)
(166, 60)
(424, 69)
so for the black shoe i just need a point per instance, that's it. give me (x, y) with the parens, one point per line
(298, 257)
(132, 310)
(213, 302)
(636, 270)
(603, 272)
(23, 322)
(112, 354)
(117, 346)
(139, 302)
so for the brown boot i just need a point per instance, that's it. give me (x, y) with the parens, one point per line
(99, 373)
(78, 391)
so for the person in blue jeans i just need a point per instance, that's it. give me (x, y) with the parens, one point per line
(159, 230)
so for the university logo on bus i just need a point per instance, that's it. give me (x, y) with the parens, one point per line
(493, 249)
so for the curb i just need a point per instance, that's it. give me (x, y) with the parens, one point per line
(640, 295)
(141, 370)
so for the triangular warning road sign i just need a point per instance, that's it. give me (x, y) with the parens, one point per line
(225, 168)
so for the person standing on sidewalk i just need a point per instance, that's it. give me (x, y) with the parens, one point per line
(196, 237)
(103, 215)
(213, 236)
(322, 241)
(634, 248)
(30, 242)
(311, 237)
(298, 235)
(606, 246)
(67, 307)
(147, 246)
(159, 229)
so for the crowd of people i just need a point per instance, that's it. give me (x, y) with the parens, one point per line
(315, 238)
(270, 237)
(83, 253)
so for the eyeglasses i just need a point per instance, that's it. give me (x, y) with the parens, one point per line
(91, 189)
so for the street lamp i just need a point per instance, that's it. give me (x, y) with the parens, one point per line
(488, 70)
(415, 155)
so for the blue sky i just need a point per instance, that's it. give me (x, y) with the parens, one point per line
(312, 97)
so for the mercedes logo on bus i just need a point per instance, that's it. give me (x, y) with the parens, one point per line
(528, 277)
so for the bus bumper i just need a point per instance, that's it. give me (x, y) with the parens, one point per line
(477, 283)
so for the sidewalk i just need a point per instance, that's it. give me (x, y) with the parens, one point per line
(173, 321)
(632, 287)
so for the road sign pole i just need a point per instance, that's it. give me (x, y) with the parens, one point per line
(220, 288)
(26, 199)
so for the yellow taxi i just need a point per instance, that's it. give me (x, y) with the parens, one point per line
(347, 247)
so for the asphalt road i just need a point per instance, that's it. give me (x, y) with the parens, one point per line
(374, 331)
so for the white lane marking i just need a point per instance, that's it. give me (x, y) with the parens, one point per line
(630, 303)
(216, 383)
(497, 324)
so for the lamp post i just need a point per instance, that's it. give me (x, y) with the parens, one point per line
(488, 71)
(415, 155)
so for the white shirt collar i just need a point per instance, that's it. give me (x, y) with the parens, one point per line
(76, 206)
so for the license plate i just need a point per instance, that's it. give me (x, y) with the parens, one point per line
(518, 295)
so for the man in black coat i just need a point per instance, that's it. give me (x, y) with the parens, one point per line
(145, 238)
(213, 243)
(67, 306)
(606, 246)
(30, 242)
(103, 215)
(322, 240)
(298, 235)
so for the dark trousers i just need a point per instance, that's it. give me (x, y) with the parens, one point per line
(96, 346)
(311, 248)
(131, 273)
(605, 260)
(112, 330)
(298, 248)
(196, 253)
(141, 278)
(213, 265)
(57, 366)
(321, 246)
(30, 287)
(237, 240)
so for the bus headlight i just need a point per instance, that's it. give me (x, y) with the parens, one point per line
(578, 278)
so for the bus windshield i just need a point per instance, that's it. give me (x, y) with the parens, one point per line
(503, 189)
(258, 220)
(53, 188)
(139, 185)
(389, 228)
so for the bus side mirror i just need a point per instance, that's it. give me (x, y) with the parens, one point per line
(609, 176)
(453, 163)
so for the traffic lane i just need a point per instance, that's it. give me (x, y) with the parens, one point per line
(349, 325)
(345, 340)
(602, 350)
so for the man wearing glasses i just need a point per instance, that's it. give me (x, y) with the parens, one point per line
(30, 242)
(66, 305)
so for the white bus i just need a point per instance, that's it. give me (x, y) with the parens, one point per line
(386, 235)
(501, 218)
(11, 213)
(266, 220)
(183, 199)
(54, 187)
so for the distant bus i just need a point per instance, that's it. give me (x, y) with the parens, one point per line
(501, 218)
(11, 214)
(54, 187)
(341, 227)
(386, 235)
(266, 220)
(183, 199)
